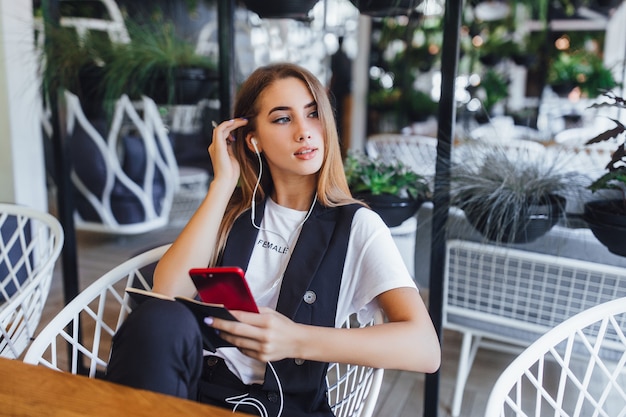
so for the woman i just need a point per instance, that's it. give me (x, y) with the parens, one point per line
(279, 207)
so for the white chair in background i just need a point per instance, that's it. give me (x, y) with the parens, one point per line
(113, 25)
(504, 299)
(30, 243)
(503, 133)
(590, 160)
(416, 151)
(78, 338)
(125, 182)
(578, 368)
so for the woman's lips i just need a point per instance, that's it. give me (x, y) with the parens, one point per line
(306, 153)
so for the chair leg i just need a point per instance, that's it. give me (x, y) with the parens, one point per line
(469, 348)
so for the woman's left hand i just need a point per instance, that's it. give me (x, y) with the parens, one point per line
(267, 336)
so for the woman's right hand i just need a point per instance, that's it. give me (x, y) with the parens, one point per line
(225, 165)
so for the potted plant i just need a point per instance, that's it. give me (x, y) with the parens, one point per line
(156, 63)
(76, 64)
(393, 190)
(581, 69)
(606, 215)
(159, 64)
(280, 9)
(495, 87)
(384, 8)
(511, 194)
(420, 105)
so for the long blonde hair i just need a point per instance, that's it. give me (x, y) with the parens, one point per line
(332, 187)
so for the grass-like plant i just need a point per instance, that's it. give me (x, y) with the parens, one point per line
(502, 188)
(375, 176)
(67, 60)
(150, 61)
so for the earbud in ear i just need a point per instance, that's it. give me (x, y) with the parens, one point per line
(254, 143)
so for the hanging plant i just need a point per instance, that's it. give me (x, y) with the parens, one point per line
(281, 9)
(385, 8)
(581, 69)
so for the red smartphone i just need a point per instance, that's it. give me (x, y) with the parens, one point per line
(224, 285)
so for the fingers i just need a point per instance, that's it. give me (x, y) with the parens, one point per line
(222, 155)
(256, 335)
(223, 131)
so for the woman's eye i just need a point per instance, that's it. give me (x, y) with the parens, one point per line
(314, 114)
(282, 120)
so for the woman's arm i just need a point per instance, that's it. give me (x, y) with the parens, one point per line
(408, 340)
(196, 243)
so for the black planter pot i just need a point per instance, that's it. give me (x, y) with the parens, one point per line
(393, 210)
(536, 222)
(384, 8)
(90, 90)
(281, 9)
(190, 86)
(563, 89)
(607, 224)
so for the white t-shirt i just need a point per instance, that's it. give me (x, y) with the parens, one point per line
(372, 266)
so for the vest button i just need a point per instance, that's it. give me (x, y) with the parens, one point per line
(272, 397)
(212, 360)
(309, 297)
(299, 361)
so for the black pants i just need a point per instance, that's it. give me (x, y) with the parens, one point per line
(159, 348)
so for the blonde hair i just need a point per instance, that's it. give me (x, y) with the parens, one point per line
(332, 187)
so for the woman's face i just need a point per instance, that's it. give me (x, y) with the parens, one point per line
(288, 129)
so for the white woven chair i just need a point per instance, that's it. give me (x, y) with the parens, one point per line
(416, 151)
(115, 26)
(78, 338)
(30, 243)
(504, 299)
(575, 369)
(102, 178)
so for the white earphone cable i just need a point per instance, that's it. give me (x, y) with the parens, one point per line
(256, 187)
(245, 399)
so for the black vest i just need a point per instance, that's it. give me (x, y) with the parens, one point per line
(309, 291)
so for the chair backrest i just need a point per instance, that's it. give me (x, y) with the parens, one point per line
(514, 295)
(566, 371)
(30, 244)
(78, 338)
(588, 159)
(113, 24)
(416, 151)
(125, 174)
(353, 389)
(503, 133)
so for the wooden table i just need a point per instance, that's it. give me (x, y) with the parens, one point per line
(29, 390)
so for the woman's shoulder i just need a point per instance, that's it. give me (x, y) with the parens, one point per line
(361, 215)
(367, 225)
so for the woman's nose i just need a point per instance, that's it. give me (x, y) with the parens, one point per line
(302, 130)
(304, 135)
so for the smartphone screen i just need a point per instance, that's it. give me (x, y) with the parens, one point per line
(224, 285)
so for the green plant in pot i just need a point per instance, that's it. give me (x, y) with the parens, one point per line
(391, 189)
(496, 88)
(160, 64)
(511, 194)
(606, 215)
(75, 64)
(581, 69)
(420, 105)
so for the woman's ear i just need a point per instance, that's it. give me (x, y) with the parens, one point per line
(253, 143)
